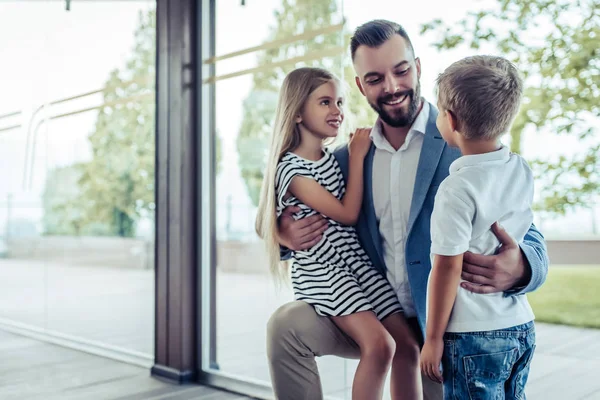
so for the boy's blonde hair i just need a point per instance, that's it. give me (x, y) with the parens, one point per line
(295, 90)
(484, 94)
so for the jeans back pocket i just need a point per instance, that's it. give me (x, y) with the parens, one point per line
(486, 374)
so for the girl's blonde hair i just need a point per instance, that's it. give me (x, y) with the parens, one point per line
(296, 88)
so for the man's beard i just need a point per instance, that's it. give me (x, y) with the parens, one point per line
(399, 118)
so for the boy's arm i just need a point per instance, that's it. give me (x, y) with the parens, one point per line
(451, 229)
(443, 285)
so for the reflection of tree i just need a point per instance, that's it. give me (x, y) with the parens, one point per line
(117, 185)
(555, 46)
(293, 18)
(108, 194)
(59, 191)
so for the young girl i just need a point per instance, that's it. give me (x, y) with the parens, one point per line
(335, 276)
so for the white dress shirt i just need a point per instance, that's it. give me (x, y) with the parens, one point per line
(480, 190)
(394, 173)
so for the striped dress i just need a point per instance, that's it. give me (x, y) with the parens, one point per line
(335, 276)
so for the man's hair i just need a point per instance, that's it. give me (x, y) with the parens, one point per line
(484, 94)
(375, 33)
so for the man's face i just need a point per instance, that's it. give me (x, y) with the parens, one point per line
(388, 76)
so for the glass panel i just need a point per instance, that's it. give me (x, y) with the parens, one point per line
(244, 111)
(78, 174)
(245, 108)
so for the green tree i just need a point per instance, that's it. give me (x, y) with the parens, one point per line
(61, 215)
(116, 187)
(293, 18)
(555, 46)
(60, 189)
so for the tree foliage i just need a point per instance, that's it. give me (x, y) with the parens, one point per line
(116, 187)
(293, 18)
(555, 46)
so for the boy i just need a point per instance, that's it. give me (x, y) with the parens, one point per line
(484, 342)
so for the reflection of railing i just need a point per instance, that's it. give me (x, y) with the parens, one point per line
(277, 43)
(314, 55)
(36, 121)
(7, 116)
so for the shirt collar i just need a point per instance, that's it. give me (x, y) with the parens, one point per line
(499, 156)
(418, 126)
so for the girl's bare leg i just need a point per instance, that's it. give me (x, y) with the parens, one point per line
(405, 380)
(377, 350)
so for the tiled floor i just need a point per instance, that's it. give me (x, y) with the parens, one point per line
(115, 307)
(34, 370)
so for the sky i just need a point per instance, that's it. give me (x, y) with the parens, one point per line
(53, 54)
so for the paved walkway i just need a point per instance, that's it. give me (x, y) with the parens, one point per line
(34, 370)
(116, 307)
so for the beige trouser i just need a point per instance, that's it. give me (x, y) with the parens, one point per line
(296, 335)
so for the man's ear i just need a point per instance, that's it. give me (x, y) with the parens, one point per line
(357, 80)
(418, 64)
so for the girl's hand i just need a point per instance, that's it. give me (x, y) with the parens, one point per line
(360, 142)
(431, 357)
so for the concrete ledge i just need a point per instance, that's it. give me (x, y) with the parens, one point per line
(232, 256)
(574, 252)
(116, 252)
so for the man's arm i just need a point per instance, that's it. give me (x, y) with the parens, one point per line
(284, 253)
(533, 248)
(305, 233)
(298, 235)
(515, 269)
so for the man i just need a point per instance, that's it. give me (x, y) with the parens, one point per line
(403, 169)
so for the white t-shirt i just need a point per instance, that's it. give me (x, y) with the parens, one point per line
(480, 190)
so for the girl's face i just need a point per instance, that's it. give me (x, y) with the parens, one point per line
(323, 113)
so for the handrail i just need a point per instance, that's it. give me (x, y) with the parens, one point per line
(10, 114)
(80, 111)
(32, 134)
(10, 127)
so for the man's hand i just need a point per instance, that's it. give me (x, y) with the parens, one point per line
(301, 234)
(499, 272)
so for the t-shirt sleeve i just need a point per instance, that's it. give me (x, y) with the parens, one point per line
(286, 171)
(451, 222)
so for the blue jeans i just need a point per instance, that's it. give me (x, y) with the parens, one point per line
(491, 365)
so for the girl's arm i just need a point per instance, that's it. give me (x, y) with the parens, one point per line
(311, 193)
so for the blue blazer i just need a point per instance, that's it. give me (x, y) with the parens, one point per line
(434, 162)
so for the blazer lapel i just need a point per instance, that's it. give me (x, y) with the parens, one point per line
(368, 205)
(433, 145)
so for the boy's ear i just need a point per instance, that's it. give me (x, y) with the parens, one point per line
(452, 121)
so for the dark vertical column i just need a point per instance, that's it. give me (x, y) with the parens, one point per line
(177, 255)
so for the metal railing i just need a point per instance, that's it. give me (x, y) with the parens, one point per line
(46, 112)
